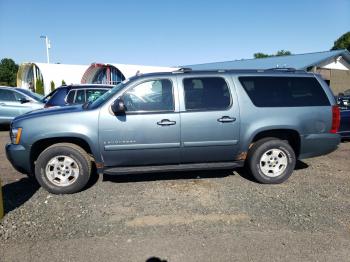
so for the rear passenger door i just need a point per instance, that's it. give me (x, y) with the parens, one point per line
(209, 119)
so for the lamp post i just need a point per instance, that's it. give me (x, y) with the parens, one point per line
(48, 46)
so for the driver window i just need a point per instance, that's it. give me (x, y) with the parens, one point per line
(155, 95)
(19, 96)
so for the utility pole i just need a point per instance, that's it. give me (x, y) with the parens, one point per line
(48, 46)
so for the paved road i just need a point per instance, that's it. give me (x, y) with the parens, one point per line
(198, 216)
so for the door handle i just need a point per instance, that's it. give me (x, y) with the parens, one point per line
(226, 119)
(166, 122)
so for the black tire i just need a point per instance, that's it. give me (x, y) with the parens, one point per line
(82, 163)
(263, 146)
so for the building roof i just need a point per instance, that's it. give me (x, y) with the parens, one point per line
(127, 70)
(298, 61)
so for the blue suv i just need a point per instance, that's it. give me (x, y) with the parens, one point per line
(183, 120)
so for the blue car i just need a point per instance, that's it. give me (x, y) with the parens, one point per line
(75, 94)
(344, 129)
(344, 105)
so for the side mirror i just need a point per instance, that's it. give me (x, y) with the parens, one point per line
(24, 100)
(118, 107)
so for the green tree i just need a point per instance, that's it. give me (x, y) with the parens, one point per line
(52, 84)
(39, 87)
(283, 53)
(279, 53)
(342, 42)
(8, 72)
(260, 55)
(63, 82)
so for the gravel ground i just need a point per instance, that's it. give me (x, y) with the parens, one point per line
(197, 216)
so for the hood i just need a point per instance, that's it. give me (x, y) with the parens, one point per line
(48, 112)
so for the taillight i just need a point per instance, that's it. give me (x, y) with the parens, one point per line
(335, 119)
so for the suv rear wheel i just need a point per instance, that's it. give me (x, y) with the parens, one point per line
(63, 168)
(271, 160)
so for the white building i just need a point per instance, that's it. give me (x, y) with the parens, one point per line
(29, 73)
(97, 73)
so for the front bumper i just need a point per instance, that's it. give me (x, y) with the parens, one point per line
(19, 157)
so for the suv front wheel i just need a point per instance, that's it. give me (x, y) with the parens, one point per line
(63, 168)
(271, 160)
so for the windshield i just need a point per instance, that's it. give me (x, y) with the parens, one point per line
(35, 96)
(47, 97)
(108, 95)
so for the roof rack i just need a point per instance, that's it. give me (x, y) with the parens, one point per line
(284, 69)
(182, 70)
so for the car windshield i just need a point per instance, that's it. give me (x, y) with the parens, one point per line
(47, 97)
(108, 95)
(33, 95)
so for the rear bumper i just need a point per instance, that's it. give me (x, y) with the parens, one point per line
(318, 144)
(19, 158)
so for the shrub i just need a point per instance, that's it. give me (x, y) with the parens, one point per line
(39, 86)
(52, 84)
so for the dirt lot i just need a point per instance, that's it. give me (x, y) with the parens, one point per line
(198, 216)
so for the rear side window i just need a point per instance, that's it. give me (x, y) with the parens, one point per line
(284, 91)
(7, 95)
(206, 93)
(80, 97)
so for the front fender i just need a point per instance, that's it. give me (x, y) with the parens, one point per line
(66, 136)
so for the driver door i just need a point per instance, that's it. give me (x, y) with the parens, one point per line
(149, 131)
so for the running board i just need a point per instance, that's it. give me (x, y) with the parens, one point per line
(171, 168)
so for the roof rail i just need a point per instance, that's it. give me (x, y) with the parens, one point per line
(284, 69)
(182, 70)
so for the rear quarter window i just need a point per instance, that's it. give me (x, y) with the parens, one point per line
(284, 91)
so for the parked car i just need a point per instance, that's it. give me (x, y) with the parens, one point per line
(343, 102)
(17, 101)
(344, 105)
(75, 94)
(182, 120)
(344, 129)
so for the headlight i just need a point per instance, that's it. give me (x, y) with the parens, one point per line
(15, 135)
